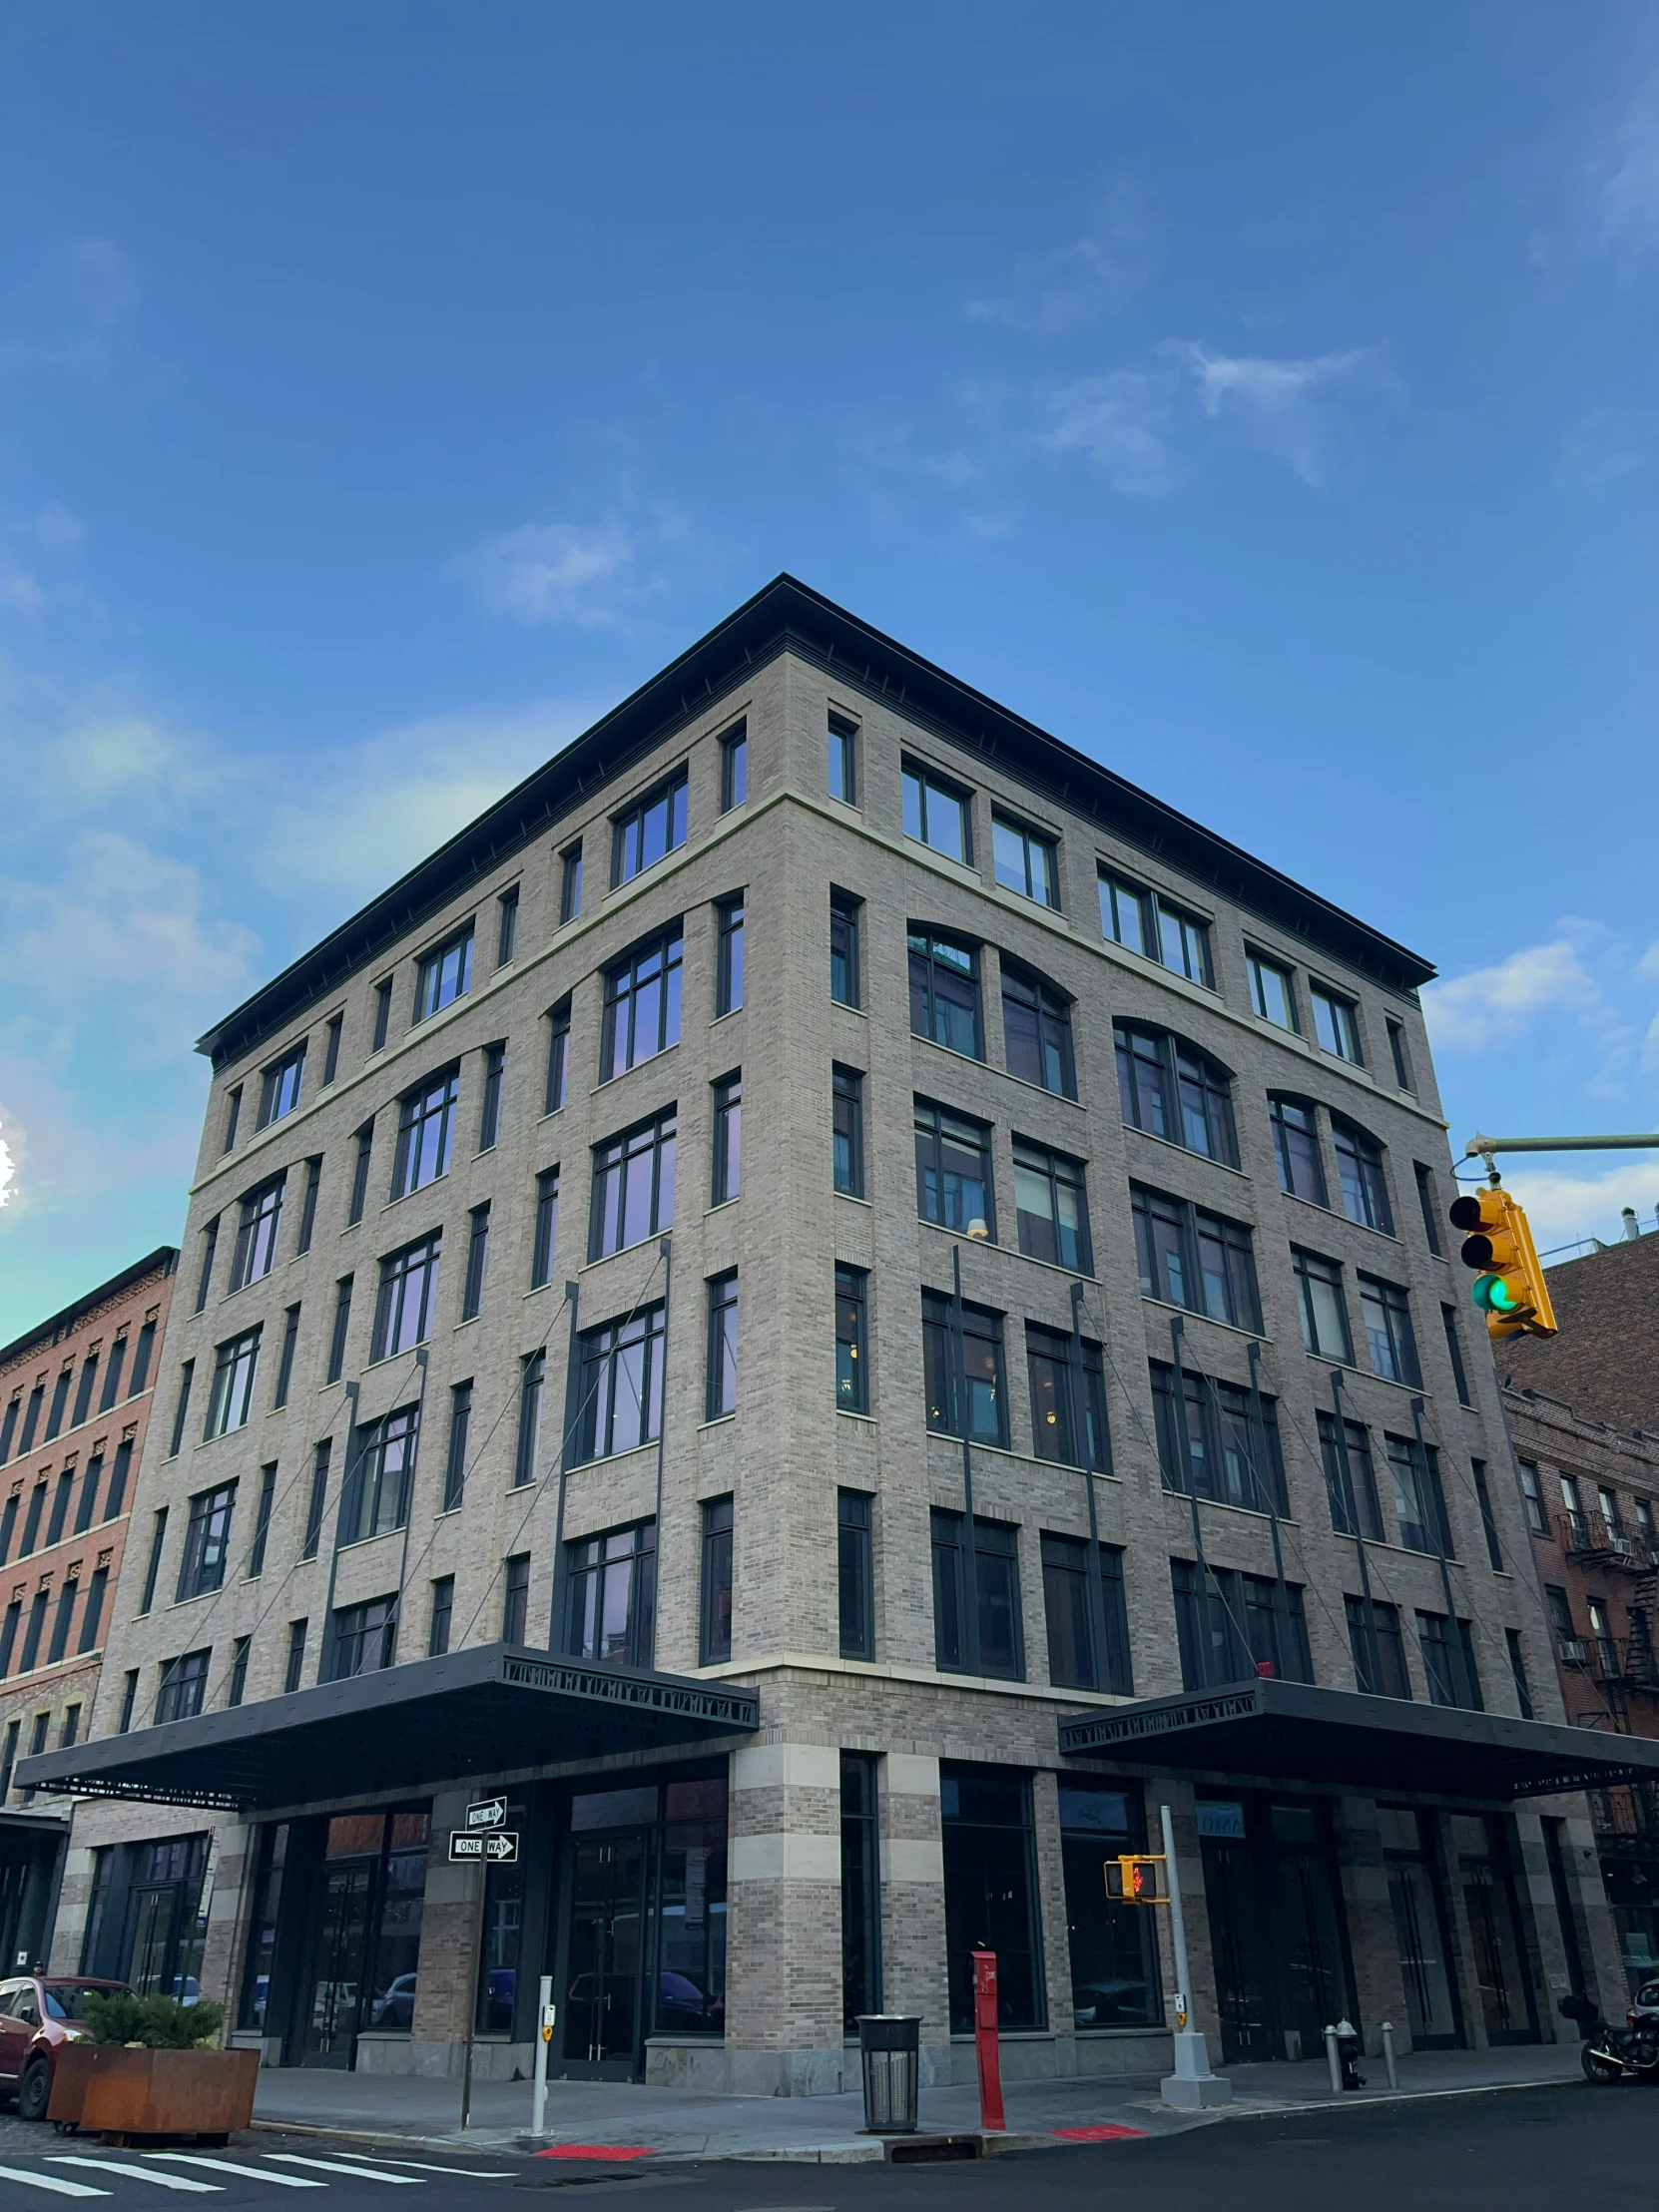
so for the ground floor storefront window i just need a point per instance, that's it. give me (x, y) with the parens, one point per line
(1417, 1897)
(990, 1892)
(1481, 1853)
(146, 1922)
(1114, 1950)
(1278, 1933)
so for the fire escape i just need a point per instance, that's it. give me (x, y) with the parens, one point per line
(1623, 1670)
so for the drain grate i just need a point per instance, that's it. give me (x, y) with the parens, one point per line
(933, 2150)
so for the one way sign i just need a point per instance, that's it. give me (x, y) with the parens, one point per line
(501, 1848)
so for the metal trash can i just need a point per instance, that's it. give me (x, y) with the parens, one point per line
(890, 2049)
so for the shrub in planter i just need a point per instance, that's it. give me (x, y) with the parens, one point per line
(158, 2022)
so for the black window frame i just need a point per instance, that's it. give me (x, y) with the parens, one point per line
(1196, 1229)
(360, 1174)
(490, 1104)
(726, 1162)
(379, 1489)
(931, 786)
(1342, 1022)
(847, 1130)
(996, 1586)
(454, 1453)
(477, 1260)
(626, 980)
(340, 1333)
(940, 1131)
(207, 1545)
(1060, 1171)
(1307, 1268)
(1057, 1397)
(415, 1265)
(852, 1310)
(258, 1225)
(1029, 838)
(714, 1582)
(1231, 1462)
(182, 1689)
(425, 1132)
(842, 759)
(282, 1085)
(1036, 1030)
(721, 1366)
(532, 1388)
(601, 1355)
(589, 1560)
(557, 1086)
(1393, 1300)
(1368, 1186)
(431, 994)
(845, 929)
(734, 767)
(1430, 1203)
(506, 926)
(570, 883)
(1262, 964)
(609, 1230)
(235, 1370)
(980, 1352)
(923, 947)
(671, 793)
(1075, 1662)
(1162, 1077)
(729, 954)
(855, 1573)
(1350, 1477)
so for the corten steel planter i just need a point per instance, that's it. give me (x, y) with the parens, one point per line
(112, 2089)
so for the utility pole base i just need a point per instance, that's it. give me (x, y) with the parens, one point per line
(1193, 2086)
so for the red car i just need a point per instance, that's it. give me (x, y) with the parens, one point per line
(39, 2013)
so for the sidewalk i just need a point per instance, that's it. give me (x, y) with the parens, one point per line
(682, 2123)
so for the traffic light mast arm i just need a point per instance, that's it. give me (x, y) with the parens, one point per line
(1483, 1147)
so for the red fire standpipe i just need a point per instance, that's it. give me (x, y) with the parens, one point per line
(984, 2042)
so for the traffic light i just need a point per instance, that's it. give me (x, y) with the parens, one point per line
(1510, 1286)
(1133, 1879)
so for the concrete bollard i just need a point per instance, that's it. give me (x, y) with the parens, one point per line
(1333, 2060)
(1388, 2053)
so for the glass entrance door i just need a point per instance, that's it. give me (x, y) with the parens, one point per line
(337, 1964)
(1502, 1982)
(605, 1956)
(1276, 1926)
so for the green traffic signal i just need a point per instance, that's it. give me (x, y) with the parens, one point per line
(1493, 1296)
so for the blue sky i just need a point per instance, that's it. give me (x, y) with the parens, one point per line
(1262, 399)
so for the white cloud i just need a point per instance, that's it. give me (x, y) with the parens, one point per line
(1562, 1207)
(1626, 225)
(1272, 400)
(552, 572)
(1119, 421)
(1496, 1005)
(56, 529)
(7, 1167)
(1599, 449)
(1069, 284)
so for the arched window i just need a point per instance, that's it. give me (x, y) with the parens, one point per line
(1360, 1172)
(944, 992)
(1171, 1090)
(1296, 1147)
(1036, 1030)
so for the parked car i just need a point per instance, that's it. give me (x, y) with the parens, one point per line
(38, 2015)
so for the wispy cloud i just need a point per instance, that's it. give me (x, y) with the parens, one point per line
(590, 574)
(1600, 447)
(1562, 1207)
(1273, 400)
(1119, 421)
(1067, 286)
(1499, 1005)
(98, 280)
(1625, 222)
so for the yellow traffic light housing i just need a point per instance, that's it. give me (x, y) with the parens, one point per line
(1136, 1878)
(1510, 1286)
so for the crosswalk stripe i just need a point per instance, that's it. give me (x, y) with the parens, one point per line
(143, 2173)
(57, 2183)
(246, 2173)
(333, 2166)
(461, 2173)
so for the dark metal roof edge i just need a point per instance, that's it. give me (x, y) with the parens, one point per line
(162, 1261)
(108, 1765)
(1312, 1701)
(787, 614)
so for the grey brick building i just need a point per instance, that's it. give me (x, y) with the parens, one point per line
(835, 1303)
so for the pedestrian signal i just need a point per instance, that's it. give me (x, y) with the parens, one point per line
(1510, 1286)
(1134, 1879)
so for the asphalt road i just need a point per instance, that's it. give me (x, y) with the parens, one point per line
(1535, 2150)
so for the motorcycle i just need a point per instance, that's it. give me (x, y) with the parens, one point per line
(1610, 2053)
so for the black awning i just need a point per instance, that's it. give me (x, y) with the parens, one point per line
(483, 1711)
(1292, 1732)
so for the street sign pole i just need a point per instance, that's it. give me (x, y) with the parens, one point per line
(1192, 2085)
(472, 1994)
(544, 2036)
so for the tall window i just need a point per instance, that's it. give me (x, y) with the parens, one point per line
(184, 1686)
(953, 1169)
(720, 1389)
(642, 1005)
(1209, 1441)
(232, 1398)
(318, 1498)
(382, 1014)
(1229, 1626)
(1454, 1353)
(1272, 991)
(1399, 1056)
(1517, 1673)
(1447, 1650)
(547, 1228)
(307, 1204)
(425, 1125)
(331, 1051)
(845, 914)
(1537, 1518)
(203, 1284)
(729, 957)
(359, 1173)
(633, 1186)
(1419, 1506)
(256, 1248)
(516, 1598)
(206, 1542)
(404, 1308)
(280, 1086)
(611, 1595)
(490, 1112)
(1488, 1521)
(294, 1671)
(443, 1615)
(936, 813)
(477, 1260)
(844, 759)
(1337, 1025)
(1065, 1398)
(621, 1385)
(532, 1383)
(1036, 1031)
(726, 1181)
(652, 826)
(1126, 914)
(846, 1109)
(861, 1891)
(233, 1114)
(734, 768)
(558, 1056)
(1429, 1206)
(1295, 1147)
(1389, 1675)
(506, 926)
(570, 883)
(180, 1412)
(852, 1340)
(1192, 1257)
(715, 1638)
(1184, 943)
(1318, 1289)
(1000, 1640)
(1351, 1479)
(1025, 861)
(83, 1390)
(454, 1460)
(1076, 1660)
(444, 974)
(1171, 1090)
(1050, 1206)
(1385, 1314)
(339, 1334)
(944, 993)
(1360, 1172)
(261, 1522)
(965, 1385)
(363, 1638)
(379, 1476)
(990, 1892)
(856, 1574)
